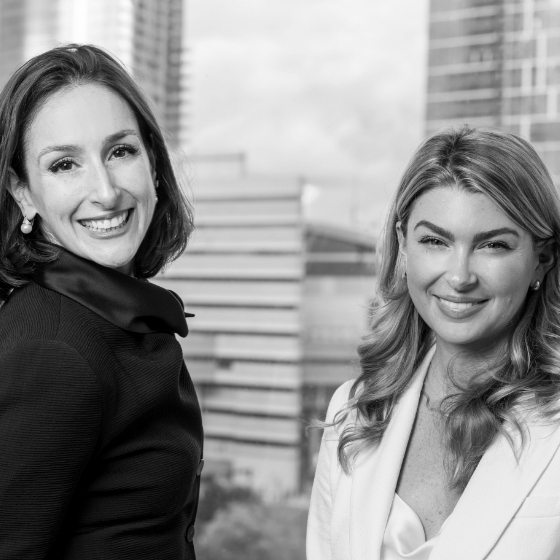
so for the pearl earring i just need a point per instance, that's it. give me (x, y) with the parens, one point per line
(26, 225)
(536, 286)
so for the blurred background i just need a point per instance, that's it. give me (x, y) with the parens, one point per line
(290, 123)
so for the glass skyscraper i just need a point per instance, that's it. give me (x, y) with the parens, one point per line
(146, 35)
(497, 62)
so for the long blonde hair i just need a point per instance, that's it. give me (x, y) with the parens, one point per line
(507, 169)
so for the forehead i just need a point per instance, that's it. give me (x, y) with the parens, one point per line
(459, 211)
(79, 113)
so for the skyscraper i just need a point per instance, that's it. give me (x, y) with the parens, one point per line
(146, 35)
(497, 62)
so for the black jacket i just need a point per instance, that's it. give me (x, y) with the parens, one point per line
(100, 427)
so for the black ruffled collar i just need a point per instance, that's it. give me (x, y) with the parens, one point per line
(131, 304)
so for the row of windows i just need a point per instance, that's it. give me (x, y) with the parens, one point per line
(467, 54)
(512, 49)
(453, 5)
(468, 38)
(464, 81)
(442, 111)
(471, 79)
(545, 104)
(466, 26)
(540, 19)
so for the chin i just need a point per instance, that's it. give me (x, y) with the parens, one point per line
(120, 263)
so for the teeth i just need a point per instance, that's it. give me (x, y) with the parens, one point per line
(456, 306)
(103, 224)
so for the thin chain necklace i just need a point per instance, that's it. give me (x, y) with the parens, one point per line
(431, 408)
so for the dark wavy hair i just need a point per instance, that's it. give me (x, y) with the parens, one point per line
(23, 95)
(526, 376)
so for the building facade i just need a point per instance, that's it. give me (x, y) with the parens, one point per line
(146, 35)
(280, 306)
(497, 62)
(242, 278)
(338, 289)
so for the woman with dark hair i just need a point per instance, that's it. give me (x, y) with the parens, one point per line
(447, 446)
(100, 428)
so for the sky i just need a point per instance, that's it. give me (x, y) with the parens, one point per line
(327, 90)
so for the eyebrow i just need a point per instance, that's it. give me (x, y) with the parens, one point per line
(481, 236)
(75, 148)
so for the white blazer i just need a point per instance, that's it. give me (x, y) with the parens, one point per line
(509, 510)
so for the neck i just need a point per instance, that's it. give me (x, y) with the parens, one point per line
(465, 363)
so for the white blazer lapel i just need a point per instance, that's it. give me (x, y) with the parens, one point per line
(494, 494)
(376, 472)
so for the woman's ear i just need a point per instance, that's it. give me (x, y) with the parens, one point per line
(20, 192)
(402, 238)
(547, 257)
(152, 159)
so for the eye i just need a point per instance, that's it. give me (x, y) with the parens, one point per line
(432, 241)
(497, 246)
(65, 164)
(122, 151)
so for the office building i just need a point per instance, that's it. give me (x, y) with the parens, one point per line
(146, 35)
(497, 62)
(280, 307)
(338, 288)
(242, 278)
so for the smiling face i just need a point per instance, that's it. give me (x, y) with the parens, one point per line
(469, 267)
(89, 176)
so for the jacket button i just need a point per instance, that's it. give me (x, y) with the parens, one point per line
(190, 533)
(200, 467)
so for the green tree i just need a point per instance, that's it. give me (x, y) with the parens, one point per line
(253, 531)
(217, 494)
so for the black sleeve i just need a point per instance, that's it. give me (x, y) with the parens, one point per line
(50, 418)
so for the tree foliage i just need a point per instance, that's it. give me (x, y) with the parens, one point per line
(254, 531)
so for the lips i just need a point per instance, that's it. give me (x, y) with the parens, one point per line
(107, 224)
(460, 308)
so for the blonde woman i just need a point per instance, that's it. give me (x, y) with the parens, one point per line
(447, 446)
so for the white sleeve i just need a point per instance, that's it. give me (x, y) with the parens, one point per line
(320, 509)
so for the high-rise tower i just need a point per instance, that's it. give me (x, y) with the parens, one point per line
(146, 35)
(497, 62)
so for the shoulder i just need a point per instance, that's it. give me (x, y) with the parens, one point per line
(51, 382)
(35, 313)
(30, 312)
(339, 400)
(47, 361)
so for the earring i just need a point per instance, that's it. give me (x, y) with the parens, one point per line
(157, 183)
(536, 286)
(26, 225)
(157, 199)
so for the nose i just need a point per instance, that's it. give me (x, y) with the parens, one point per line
(104, 191)
(460, 274)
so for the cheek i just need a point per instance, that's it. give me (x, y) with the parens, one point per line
(512, 291)
(510, 278)
(138, 184)
(58, 206)
(423, 269)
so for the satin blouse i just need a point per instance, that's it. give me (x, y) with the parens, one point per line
(404, 536)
